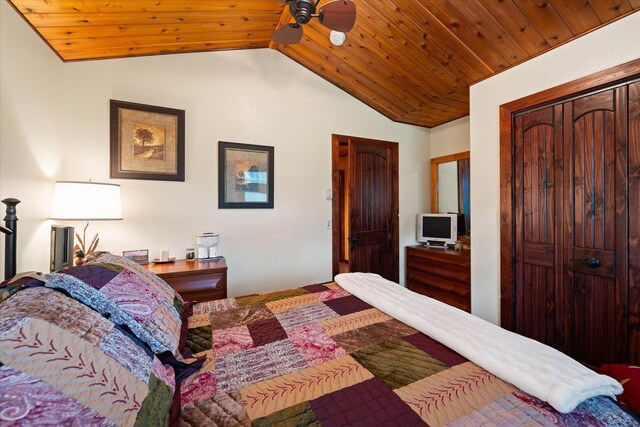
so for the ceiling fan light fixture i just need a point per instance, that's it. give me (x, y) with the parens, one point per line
(337, 37)
(337, 15)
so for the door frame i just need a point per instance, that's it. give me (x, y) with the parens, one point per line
(612, 76)
(335, 205)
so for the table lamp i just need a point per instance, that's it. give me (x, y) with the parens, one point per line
(86, 201)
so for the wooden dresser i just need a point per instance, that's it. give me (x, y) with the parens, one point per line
(442, 274)
(195, 280)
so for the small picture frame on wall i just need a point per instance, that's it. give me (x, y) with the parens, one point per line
(140, 256)
(245, 176)
(147, 142)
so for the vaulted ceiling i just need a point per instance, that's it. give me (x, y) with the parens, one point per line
(411, 60)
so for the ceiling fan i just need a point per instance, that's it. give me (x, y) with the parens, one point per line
(337, 15)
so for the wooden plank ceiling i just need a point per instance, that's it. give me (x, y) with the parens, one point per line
(411, 60)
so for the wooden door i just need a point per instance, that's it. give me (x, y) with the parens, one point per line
(571, 231)
(570, 228)
(595, 227)
(538, 212)
(373, 207)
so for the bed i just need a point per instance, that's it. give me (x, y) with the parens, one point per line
(109, 343)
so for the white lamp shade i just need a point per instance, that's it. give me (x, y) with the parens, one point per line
(73, 200)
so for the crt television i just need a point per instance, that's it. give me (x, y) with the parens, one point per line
(437, 228)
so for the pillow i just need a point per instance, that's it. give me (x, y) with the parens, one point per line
(183, 307)
(137, 294)
(148, 276)
(629, 377)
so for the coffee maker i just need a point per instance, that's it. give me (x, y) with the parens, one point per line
(207, 246)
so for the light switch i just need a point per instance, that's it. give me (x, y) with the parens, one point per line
(329, 193)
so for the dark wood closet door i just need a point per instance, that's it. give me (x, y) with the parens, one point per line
(538, 206)
(570, 216)
(571, 232)
(595, 227)
(373, 204)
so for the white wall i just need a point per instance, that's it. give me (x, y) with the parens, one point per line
(450, 138)
(612, 45)
(31, 106)
(57, 114)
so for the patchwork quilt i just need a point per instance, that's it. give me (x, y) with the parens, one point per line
(62, 363)
(319, 356)
(90, 345)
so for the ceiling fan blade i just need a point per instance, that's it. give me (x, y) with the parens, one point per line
(288, 34)
(339, 15)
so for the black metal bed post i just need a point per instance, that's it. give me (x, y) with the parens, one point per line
(10, 240)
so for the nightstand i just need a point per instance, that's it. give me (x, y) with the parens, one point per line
(195, 280)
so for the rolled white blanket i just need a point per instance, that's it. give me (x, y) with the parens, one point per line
(535, 368)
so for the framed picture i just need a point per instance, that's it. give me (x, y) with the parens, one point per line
(141, 256)
(245, 176)
(147, 142)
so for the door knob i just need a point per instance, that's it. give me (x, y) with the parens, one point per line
(590, 262)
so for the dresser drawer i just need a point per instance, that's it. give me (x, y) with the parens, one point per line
(195, 280)
(204, 287)
(451, 298)
(441, 274)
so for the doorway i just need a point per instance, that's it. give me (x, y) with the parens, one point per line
(365, 206)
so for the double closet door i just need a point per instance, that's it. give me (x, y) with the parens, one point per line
(573, 208)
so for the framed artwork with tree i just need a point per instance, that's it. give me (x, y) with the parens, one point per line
(147, 142)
